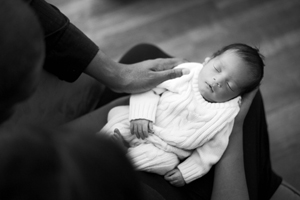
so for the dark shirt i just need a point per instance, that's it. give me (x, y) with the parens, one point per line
(68, 50)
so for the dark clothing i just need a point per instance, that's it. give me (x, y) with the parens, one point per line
(68, 50)
(262, 182)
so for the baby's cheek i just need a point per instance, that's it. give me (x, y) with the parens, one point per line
(224, 96)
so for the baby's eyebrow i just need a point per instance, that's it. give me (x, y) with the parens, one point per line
(221, 65)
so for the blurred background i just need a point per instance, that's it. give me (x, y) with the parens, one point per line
(193, 29)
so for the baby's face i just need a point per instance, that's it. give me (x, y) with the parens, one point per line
(223, 77)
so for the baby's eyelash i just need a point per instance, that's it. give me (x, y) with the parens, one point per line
(216, 69)
(229, 87)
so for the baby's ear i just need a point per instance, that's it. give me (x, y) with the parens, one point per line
(206, 60)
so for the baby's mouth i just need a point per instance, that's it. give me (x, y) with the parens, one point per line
(211, 88)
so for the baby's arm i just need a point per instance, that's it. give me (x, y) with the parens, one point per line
(175, 177)
(141, 128)
(142, 110)
(204, 157)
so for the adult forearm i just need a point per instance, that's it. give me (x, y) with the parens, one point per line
(230, 180)
(107, 72)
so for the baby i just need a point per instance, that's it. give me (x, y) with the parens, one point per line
(181, 128)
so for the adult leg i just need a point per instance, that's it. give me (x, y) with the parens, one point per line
(262, 182)
(269, 185)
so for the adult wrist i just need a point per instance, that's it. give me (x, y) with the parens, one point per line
(107, 72)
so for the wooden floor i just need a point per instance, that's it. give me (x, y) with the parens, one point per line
(193, 29)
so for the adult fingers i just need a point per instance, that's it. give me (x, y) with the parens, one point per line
(246, 103)
(248, 97)
(169, 74)
(169, 63)
(247, 100)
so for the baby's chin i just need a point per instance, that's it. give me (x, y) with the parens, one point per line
(207, 97)
(211, 99)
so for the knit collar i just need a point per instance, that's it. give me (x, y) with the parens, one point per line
(231, 103)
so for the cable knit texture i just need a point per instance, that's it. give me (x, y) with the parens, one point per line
(185, 123)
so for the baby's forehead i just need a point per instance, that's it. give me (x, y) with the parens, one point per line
(230, 59)
(230, 52)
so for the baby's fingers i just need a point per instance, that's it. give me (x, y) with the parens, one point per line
(150, 127)
(145, 131)
(140, 131)
(131, 128)
(135, 130)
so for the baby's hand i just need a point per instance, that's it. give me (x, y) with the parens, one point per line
(175, 177)
(141, 128)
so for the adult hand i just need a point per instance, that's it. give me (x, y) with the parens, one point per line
(143, 76)
(246, 103)
(134, 78)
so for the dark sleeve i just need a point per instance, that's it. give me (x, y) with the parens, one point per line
(68, 50)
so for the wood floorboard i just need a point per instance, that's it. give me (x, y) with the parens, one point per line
(193, 29)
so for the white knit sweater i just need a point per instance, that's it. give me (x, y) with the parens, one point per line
(184, 119)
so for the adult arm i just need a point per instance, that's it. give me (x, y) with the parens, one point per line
(230, 179)
(69, 52)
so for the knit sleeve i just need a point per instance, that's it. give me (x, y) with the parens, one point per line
(144, 105)
(204, 157)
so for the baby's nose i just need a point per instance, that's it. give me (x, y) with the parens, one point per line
(216, 83)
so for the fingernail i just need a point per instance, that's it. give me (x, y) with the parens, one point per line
(185, 71)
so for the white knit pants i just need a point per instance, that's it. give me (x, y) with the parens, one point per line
(145, 155)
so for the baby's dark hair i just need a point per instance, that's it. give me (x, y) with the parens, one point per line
(253, 59)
